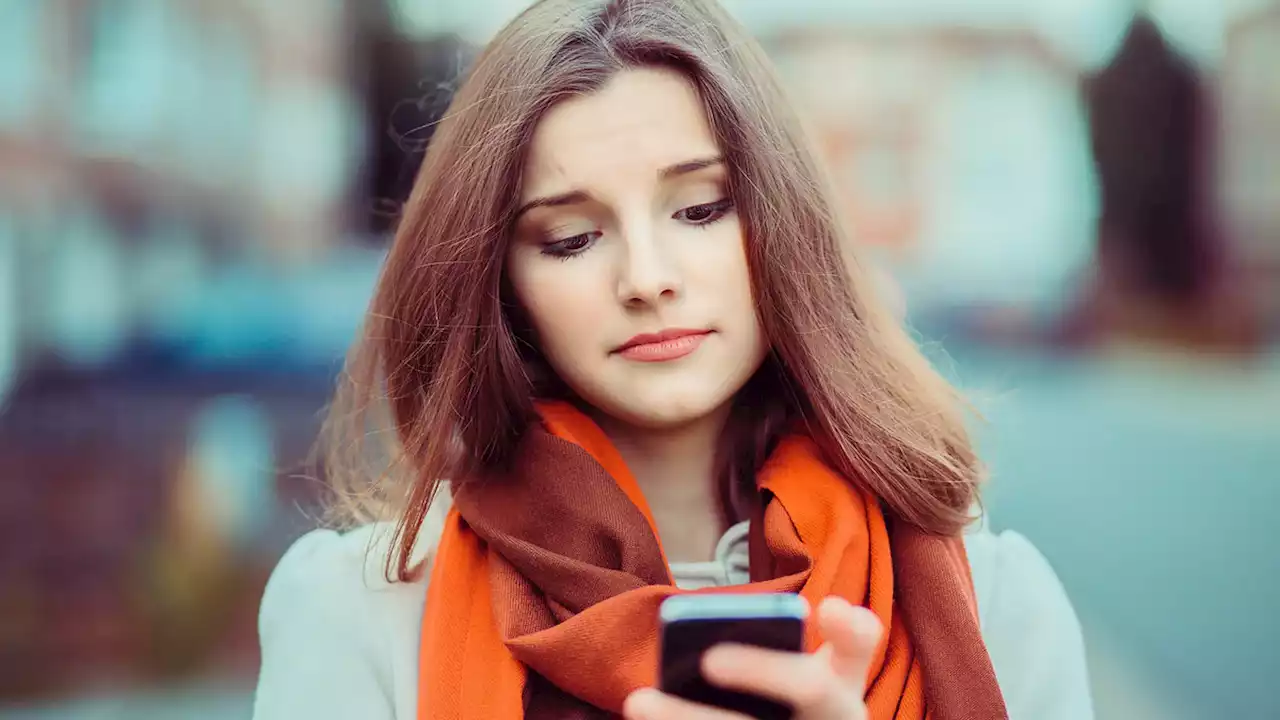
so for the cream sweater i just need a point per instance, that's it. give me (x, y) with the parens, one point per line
(339, 641)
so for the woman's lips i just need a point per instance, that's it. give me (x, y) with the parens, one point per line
(664, 346)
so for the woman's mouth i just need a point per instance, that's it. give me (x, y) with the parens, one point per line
(669, 344)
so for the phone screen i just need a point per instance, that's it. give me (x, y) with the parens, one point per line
(684, 642)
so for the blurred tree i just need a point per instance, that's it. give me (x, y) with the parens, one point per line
(1161, 257)
(1147, 109)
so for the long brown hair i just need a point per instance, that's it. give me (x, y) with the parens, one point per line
(440, 370)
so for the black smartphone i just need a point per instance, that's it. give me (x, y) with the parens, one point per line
(691, 624)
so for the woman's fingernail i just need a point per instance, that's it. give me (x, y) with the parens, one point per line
(718, 660)
(835, 601)
(866, 623)
(639, 703)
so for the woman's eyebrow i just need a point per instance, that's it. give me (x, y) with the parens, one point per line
(688, 166)
(577, 197)
(573, 197)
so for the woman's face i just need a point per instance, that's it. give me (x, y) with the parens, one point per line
(629, 257)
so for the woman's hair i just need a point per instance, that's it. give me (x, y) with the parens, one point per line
(442, 372)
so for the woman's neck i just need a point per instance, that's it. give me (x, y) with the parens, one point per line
(676, 470)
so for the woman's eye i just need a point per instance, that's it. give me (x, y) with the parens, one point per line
(577, 242)
(570, 245)
(706, 213)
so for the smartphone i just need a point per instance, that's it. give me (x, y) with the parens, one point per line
(691, 624)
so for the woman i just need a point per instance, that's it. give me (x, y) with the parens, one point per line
(621, 317)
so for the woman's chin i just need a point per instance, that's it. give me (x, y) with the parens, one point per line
(667, 409)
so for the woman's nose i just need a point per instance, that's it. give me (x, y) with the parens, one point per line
(649, 274)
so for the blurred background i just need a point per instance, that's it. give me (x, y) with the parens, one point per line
(1078, 202)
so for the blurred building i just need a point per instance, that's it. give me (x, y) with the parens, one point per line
(963, 143)
(959, 153)
(1250, 134)
(194, 199)
(146, 141)
(148, 147)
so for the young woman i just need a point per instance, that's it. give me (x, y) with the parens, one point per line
(621, 318)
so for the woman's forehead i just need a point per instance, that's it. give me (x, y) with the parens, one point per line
(641, 122)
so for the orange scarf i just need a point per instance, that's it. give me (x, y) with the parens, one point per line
(545, 589)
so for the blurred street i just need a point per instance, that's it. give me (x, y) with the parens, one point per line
(1150, 484)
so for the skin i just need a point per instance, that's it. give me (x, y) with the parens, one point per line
(628, 229)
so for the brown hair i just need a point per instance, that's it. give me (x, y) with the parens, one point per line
(440, 361)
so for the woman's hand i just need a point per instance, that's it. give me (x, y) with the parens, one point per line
(826, 685)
